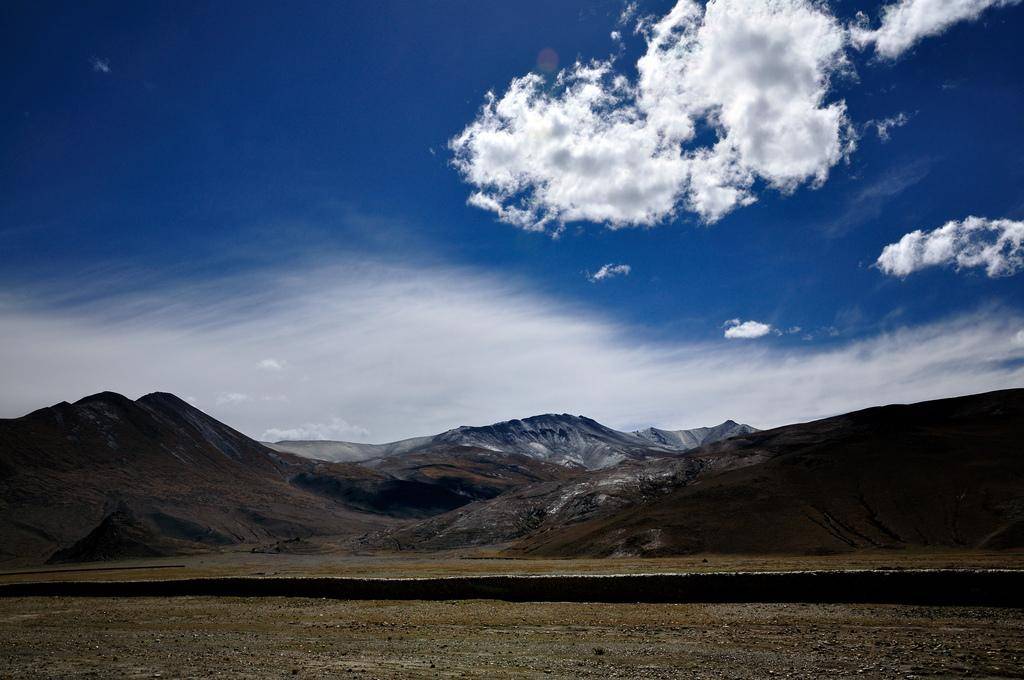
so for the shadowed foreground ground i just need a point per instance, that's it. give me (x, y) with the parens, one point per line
(239, 563)
(277, 637)
(957, 587)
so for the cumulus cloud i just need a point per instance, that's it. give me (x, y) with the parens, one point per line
(100, 65)
(746, 330)
(996, 245)
(884, 126)
(609, 271)
(599, 146)
(270, 364)
(409, 350)
(906, 22)
(335, 429)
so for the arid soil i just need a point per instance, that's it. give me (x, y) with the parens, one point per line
(283, 637)
(319, 563)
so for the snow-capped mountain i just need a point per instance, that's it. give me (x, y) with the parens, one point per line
(569, 440)
(573, 441)
(698, 436)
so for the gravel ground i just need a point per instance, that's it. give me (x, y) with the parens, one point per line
(292, 637)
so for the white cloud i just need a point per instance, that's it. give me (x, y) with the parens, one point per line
(409, 350)
(232, 398)
(597, 146)
(1019, 338)
(629, 10)
(270, 364)
(335, 429)
(609, 271)
(746, 330)
(884, 126)
(906, 22)
(996, 245)
(100, 65)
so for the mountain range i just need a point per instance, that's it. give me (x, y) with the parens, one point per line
(158, 476)
(572, 441)
(108, 477)
(942, 473)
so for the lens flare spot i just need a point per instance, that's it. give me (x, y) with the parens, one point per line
(547, 60)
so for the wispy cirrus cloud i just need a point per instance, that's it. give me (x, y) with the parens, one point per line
(404, 350)
(334, 429)
(100, 65)
(868, 202)
(629, 11)
(884, 126)
(997, 246)
(609, 271)
(232, 398)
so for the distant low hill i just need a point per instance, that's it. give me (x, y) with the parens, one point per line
(571, 441)
(941, 473)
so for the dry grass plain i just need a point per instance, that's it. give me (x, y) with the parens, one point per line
(234, 637)
(398, 565)
(293, 637)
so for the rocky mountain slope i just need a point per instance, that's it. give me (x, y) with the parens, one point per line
(470, 472)
(571, 441)
(684, 440)
(941, 473)
(110, 476)
(156, 467)
(574, 441)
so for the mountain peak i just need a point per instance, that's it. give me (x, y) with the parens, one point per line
(570, 440)
(106, 397)
(167, 399)
(685, 440)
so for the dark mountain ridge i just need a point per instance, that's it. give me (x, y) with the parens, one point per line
(941, 473)
(108, 477)
(157, 476)
(178, 474)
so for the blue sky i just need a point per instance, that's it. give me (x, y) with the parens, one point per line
(261, 207)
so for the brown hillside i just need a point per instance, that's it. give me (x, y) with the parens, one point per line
(939, 473)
